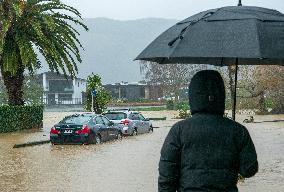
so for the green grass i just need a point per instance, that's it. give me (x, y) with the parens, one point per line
(150, 109)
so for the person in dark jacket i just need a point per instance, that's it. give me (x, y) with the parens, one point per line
(208, 151)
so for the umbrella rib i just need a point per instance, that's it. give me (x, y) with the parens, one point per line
(258, 39)
(245, 19)
(211, 12)
(180, 36)
(263, 12)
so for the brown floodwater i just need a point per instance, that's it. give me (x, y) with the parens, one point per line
(130, 165)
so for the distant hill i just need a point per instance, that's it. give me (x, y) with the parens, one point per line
(111, 45)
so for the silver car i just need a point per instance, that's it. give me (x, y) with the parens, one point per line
(130, 122)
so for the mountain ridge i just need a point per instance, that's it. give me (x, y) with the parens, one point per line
(110, 46)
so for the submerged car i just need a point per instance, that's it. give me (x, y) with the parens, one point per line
(130, 122)
(85, 128)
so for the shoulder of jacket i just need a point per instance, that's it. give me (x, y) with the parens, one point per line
(236, 125)
(182, 124)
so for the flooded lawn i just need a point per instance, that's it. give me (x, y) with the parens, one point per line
(122, 166)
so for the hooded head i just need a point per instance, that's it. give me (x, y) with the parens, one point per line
(207, 93)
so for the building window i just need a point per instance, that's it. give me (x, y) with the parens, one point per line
(60, 85)
(65, 99)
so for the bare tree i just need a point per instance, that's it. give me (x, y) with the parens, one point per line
(171, 77)
(262, 83)
(271, 80)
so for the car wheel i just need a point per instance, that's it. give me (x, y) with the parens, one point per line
(134, 132)
(98, 139)
(119, 135)
(92, 139)
(151, 130)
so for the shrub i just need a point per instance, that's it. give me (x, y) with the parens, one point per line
(183, 108)
(183, 114)
(102, 98)
(150, 109)
(16, 118)
(182, 105)
(170, 105)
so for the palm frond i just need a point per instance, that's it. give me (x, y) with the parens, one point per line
(40, 24)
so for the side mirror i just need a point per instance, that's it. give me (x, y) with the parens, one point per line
(111, 123)
(146, 119)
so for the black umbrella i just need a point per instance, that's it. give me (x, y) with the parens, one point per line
(234, 35)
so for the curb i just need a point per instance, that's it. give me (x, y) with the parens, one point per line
(31, 143)
(158, 118)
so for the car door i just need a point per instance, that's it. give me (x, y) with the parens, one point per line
(100, 126)
(111, 131)
(134, 117)
(143, 123)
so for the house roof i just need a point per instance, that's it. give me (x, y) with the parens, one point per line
(58, 76)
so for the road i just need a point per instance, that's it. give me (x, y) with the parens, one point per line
(130, 165)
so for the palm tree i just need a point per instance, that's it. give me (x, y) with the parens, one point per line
(29, 27)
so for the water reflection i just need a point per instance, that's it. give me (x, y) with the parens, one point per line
(122, 166)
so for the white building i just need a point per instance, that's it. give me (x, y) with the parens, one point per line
(59, 89)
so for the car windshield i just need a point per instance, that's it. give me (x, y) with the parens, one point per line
(116, 116)
(78, 120)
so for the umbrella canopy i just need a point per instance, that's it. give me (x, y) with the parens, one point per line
(234, 35)
(254, 35)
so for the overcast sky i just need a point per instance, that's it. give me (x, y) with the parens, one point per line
(174, 9)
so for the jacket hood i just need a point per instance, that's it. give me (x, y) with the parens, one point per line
(207, 93)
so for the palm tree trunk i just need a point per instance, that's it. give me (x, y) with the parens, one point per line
(14, 85)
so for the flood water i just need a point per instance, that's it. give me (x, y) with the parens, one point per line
(130, 165)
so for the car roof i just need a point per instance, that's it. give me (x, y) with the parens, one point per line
(87, 114)
(121, 111)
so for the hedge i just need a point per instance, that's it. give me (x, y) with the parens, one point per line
(16, 118)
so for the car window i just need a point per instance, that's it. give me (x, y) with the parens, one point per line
(115, 116)
(99, 120)
(106, 121)
(141, 117)
(78, 120)
(134, 116)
